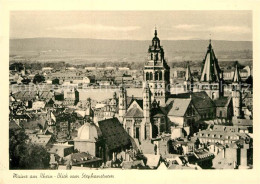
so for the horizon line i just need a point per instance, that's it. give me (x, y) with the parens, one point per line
(195, 39)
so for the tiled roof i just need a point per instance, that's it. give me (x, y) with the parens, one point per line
(114, 134)
(222, 101)
(81, 158)
(29, 95)
(134, 112)
(200, 100)
(130, 100)
(34, 124)
(40, 139)
(158, 112)
(179, 107)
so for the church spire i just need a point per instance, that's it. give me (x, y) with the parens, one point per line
(155, 32)
(210, 46)
(236, 77)
(210, 69)
(188, 73)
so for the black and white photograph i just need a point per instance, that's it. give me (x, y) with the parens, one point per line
(130, 90)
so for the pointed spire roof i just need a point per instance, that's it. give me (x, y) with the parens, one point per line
(236, 77)
(188, 76)
(210, 70)
(156, 53)
(156, 40)
(155, 32)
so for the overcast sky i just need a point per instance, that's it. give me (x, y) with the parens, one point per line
(133, 25)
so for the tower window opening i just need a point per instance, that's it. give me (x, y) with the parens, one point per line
(160, 75)
(151, 76)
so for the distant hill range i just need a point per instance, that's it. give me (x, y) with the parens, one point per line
(127, 50)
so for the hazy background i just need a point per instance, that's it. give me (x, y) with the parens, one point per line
(105, 36)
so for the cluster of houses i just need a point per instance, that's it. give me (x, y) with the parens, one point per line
(201, 128)
(78, 77)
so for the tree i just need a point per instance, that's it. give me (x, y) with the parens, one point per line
(17, 141)
(55, 81)
(35, 157)
(16, 66)
(24, 155)
(26, 81)
(249, 81)
(38, 79)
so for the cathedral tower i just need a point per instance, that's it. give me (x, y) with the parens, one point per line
(157, 72)
(236, 93)
(122, 103)
(210, 75)
(188, 83)
(147, 127)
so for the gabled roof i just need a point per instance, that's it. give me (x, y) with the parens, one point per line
(40, 139)
(25, 95)
(134, 112)
(29, 95)
(38, 123)
(114, 134)
(130, 100)
(200, 100)
(222, 101)
(179, 107)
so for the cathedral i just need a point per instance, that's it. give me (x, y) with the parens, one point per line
(144, 118)
(158, 111)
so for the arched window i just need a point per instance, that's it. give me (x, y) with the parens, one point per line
(160, 75)
(156, 76)
(147, 76)
(161, 93)
(213, 95)
(205, 77)
(151, 76)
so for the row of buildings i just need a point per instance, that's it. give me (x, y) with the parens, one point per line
(201, 128)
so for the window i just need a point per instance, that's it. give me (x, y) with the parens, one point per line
(220, 113)
(147, 76)
(151, 76)
(160, 75)
(156, 76)
(190, 148)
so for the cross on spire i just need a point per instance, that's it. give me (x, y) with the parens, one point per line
(155, 31)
